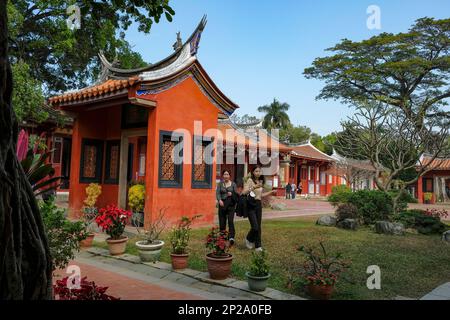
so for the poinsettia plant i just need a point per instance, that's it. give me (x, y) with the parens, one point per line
(217, 242)
(113, 220)
(86, 290)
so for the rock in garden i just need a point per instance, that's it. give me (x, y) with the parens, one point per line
(446, 236)
(279, 206)
(326, 221)
(349, 224)
(386, 227)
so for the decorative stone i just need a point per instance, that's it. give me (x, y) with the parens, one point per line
(329, 221)
(446, 236)
(386, 227)
(411, 231)
(279, 206)
(349, 224)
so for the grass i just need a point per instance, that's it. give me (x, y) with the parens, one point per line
(411, 265)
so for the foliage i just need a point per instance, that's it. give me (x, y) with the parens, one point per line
(156, 227)
(179, 236)
(427, 196)
(425, 222)
(136, 198)
(258, 265)
(346, 211)
(294, 134)
(320, 268)
(39, 172)
(276, 116)
(64, 236)
(87, 290)
(27, 96)
(217, 242)
(373, 205)
(339, 194)
(404, 197)
(64, 59)
(37, 143)
(93, 191)
(113, 220)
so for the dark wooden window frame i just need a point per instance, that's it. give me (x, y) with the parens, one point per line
(178, 183)
(424, 185)
(108, 179)
(207, 183)
(99, 144)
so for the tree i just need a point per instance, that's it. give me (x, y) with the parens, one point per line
(276, 116)
(295, 134)
(394, 144)
(63, 59)
(25, 263)
(408, 71)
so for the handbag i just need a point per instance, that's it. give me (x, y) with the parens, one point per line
(241, 208)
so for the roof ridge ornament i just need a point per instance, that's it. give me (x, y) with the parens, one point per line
(179, 43)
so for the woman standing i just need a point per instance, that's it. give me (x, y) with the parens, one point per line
(253, 187)
(226, 195)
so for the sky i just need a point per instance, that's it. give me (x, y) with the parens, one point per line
(256, 50)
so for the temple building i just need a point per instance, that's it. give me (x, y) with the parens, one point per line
(435, 182)
(128, 125)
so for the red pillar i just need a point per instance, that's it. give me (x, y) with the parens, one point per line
(420, 190)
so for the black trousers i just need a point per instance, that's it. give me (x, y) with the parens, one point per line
(226, 213)
(255, 218)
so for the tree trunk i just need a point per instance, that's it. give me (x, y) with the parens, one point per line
(25, 264)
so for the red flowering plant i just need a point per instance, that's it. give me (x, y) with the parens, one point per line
(217, 242)
(113, 220)
(435, 213)
(86, 290)
(320, 268)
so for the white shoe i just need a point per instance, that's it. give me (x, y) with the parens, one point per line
(260, 249)
(248, 244)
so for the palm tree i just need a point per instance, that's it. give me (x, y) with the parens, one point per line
(276, 116)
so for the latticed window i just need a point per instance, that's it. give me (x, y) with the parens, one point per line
(91, 161)
(170, 170)
(202, 163)
(112, 162)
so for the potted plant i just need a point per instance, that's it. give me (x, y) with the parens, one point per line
(179, 239)
(427, 197)
(259, 272)
(113, 220)
(219, 260)
(150, 247)
(90, 211)
(136, 202)
(320, 272)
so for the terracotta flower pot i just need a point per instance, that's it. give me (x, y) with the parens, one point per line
(117, 247)
(87, 243)
(320, 292)
(179, 261)
(219, 268)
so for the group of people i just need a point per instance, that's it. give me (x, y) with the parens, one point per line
(229, 198)
(292, 189)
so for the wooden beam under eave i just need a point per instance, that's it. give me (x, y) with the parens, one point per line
(143, 102)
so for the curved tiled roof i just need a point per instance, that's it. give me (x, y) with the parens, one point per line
(307, 150)
(107, 87)
(436, 164)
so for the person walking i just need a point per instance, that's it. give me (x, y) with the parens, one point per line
(300, 188)
(288, 190)
(253, 188)
(226, 195)
(293, 190)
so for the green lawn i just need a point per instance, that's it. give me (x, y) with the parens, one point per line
(411, 265)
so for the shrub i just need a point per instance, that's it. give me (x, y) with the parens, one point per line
(136, 198)
(373, 205)
(179, 237)
(346, 211)
(425, 222)
(259, 266)
(403, 200)
(64, 236)
(87, 290)
(339, 194)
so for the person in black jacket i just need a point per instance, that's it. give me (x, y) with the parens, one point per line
(226, 195)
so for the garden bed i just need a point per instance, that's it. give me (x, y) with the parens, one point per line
(411, 265)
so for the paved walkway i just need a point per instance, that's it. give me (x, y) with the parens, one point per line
(129, 279)
(440, 293)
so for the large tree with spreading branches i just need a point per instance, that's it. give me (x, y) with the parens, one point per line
(60, 59)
